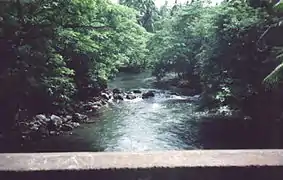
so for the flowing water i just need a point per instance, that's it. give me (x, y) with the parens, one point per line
(169, 121)
(164, 122)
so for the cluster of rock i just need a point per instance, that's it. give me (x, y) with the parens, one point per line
(119, 95)
(42, 125)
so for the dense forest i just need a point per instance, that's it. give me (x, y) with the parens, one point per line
(55, 54)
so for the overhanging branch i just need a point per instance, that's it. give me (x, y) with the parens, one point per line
(261, 38)
(86, 26)
(66, 26)
(263, 35)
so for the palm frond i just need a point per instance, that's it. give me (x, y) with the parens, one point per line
(275, 76)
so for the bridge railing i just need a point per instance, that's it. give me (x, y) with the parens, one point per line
(173, 165)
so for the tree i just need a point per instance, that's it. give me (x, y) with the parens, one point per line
(56, 52)
(270, 37)
(147, 12)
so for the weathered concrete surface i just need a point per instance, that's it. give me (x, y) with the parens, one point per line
(205, 164)
(172, 159)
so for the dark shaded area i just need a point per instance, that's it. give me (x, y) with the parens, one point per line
(208, 173)
(233, 133)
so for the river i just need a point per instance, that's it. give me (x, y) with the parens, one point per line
(169, 121)
(160, 123)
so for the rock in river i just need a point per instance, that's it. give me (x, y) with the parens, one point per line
(42, 119)
(147, 94)
(137, 91)
(131, 96)
(90, 106)
(118, 97)
(75, 124)
(54, 123)
(117, 91)
(69, 118)
(77, 117)
(56, 120)
(105, 96)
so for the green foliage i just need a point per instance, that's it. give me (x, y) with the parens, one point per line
(223, 94)
(55, 51)
(276, 76)
(215, 45)
(147, 12)
(279, 6)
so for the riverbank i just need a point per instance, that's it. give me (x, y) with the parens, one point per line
(43, 126)
(136, 115)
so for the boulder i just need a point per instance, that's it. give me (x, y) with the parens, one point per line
(67, 127)
(96, 99)
(118, 97)
(105, 96)
(41, 118)
(75, 124)
(137, 91)
(77, 117)
(90, 106)
(117, 91)
(107, 91)
(95, 107)
(52, 133)
(103, 102)
(148, 94)
(55, 123)
(69, 118)
(97, 103)
(37, 123)
(56, 120)
(131, 96)
(34, 127)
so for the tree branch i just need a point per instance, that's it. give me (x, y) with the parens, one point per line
(85, 26)
(70, 26)
(261, 38)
